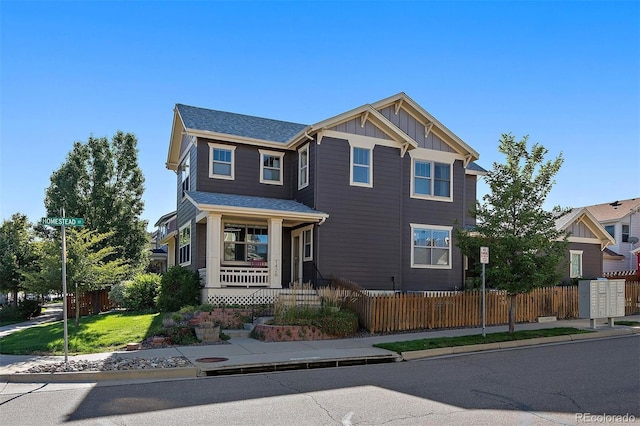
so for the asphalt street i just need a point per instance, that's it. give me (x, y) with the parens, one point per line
(548, 384)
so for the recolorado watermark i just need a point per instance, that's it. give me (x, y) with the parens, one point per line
(605, 418)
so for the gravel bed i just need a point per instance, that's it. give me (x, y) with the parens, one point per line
(111, 364)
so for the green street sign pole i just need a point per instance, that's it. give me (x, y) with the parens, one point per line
(64, 293)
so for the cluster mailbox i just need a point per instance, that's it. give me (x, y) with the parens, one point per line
(601, 299)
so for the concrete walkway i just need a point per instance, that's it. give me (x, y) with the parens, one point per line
(246, 355)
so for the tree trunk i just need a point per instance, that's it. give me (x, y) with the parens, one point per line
(14, 302)
(77, 307)
(512, 313)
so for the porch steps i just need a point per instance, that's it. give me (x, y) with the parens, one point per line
(299, 298)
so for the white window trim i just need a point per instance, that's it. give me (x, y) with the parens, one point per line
(437, 227)
(231, 148)
(431, 197)
(370, 147)
(274, 154)
(185, 170)
(306, 168)
(186, 225)
(305, 242)
(571, 253)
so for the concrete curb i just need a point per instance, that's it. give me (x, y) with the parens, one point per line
(430, 353)
(97, 376)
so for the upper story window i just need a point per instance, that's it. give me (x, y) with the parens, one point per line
(611, 229)
(575, 264)
(245, 243)
(184, 245)
(430, 246)
(431, 180)
(184, 176)
(221, 161)
(303, 167)
(625, 233)
(361, 166)
(271, 167)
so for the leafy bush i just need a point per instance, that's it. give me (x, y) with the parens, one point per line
(340, 324)
(29, 308)
(180, 335)
(138, 294)
(11, 314)
(178, 287)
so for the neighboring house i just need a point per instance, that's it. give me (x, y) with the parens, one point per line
(157, 255)
(167, 235)
(371, 195)
(621, 219)
(587, 242)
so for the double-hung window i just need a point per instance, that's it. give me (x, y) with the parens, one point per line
(430, 246)
(271, 167)
(361, 166)
(307, 240)
(221, 161)
(575, 264)
(625, 233)
(184, 175)
(245, 243)
(431, 179)
(184, 245)
(303, 167)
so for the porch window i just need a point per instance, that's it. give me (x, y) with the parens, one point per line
(184, 176)
(576, 264)
(271, 167)
(245, 243)
(303, 167)
(184, 248)
(430, 246)
(221, 164)
(307, 237)
(431, 179)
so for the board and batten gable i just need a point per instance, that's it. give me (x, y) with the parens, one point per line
(415, 130)
(361, 239)
(246, 170)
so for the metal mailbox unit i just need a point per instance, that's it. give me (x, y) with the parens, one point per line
(601, 299)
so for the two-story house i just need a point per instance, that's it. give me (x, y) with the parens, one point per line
(621, 219)
(371, 195)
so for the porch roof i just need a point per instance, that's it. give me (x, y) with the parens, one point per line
(261, 206)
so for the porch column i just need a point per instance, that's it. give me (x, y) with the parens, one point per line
(275, 253)
(214, 241)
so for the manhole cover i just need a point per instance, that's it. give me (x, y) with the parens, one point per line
(211, 359)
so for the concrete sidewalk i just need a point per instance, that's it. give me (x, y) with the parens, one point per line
(246, 355)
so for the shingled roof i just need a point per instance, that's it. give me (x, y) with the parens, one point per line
(615, 210)
(250, 202)
(195, 118)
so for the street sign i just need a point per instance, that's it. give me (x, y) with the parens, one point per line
(62, 221)
(484, 254)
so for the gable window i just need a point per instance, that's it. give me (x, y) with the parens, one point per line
(575, 264)
(307, 240)
(625, 233)
(184, 247)
(431, 180)
(361, 166)
(303, 167)
(271, 167)
(611, 229)
(221, 161)
(184, 175)
(245, 243)
(430, 246)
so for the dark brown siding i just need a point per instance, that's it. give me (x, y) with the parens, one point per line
(470, 198)
(305, 195)
(591, 261)
(361, 239)
(200, 246)
(186, 210)
(247, 173)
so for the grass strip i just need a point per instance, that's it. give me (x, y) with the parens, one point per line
(629, 323)
(476, 339)
(96, 333)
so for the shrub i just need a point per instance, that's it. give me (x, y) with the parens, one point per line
(178, 287)
(11, 314)
(340, 324)
(140, 293)
(116, 294)
(29, 308)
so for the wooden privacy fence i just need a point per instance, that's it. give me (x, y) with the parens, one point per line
(92, 302)
(407, 311)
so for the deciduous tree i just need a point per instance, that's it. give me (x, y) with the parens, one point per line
(525, 247)
(17, 257)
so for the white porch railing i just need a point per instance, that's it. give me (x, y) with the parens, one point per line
(239, 276)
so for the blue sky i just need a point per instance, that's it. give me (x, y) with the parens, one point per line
(565, 73)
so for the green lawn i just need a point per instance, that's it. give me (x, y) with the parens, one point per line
(96, 333)
(476, 339)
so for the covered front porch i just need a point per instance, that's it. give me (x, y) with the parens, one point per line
(247, 240)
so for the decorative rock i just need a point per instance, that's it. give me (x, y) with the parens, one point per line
(133, 346)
